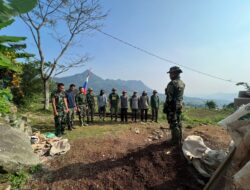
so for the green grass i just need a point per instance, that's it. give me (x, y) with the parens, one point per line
(96, 131)
(43, 121)
(197, 116)
(18, 179)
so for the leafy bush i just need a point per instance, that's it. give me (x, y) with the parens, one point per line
(210, 104)
(18, 179)
(5, 98)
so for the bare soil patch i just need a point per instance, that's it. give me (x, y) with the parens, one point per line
(126, 160)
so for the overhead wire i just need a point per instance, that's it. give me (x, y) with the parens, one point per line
(155, 55)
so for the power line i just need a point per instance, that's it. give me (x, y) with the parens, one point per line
(162, 58)
(155, 55)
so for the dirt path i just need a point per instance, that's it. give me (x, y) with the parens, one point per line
(126, 160)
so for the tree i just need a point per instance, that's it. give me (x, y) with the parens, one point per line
(210, 104)
(8, 44)
(77, 17)
(10, 49)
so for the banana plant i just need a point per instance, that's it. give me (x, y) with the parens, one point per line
(9, 47)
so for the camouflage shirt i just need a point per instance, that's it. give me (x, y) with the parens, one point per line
(81, 99)
(90, 99)
(59, 99)
(174, 92)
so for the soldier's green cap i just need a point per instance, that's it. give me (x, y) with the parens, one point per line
(175, 69)
(113, 89)
(90, 89)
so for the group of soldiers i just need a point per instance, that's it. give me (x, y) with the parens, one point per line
(66, 103)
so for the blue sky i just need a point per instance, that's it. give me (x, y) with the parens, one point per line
(211, 36)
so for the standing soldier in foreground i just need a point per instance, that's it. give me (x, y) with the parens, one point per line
(114, 102)
(91, 104)
(81, 104)
(155, 103)
(102, 103)
(60, 106)
(173, 104)
(134, 105)
(70, 94)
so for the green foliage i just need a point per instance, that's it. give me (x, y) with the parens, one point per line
(30, 85)
(210, 104)
(5, 98)
(197, 116)
(6, 23)
(18, 179)
(229, 106)
(10, 8)
(4, 39)
(8, 50)
(35, 169)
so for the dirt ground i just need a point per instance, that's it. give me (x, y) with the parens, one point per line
(126, 160)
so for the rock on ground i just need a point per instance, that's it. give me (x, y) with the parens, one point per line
(15, 149)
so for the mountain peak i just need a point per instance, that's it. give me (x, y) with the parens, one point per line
(98, 83)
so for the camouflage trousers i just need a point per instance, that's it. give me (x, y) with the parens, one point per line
(83, 113)
(91, 112)
(70, 117)
(59, 122)
(114, 113)
(174, 120)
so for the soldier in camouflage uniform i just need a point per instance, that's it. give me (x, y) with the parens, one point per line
(82, 107)
(70, 94)
(114, 103)
(173, 104)
(91, 104)
(60, 107)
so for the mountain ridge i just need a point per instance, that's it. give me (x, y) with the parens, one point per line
(98, 83)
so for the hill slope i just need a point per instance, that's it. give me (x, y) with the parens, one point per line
(98, 83)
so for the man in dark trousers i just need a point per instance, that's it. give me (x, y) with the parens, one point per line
(114, 104)
(124, 107)
(134, 105)
(70, 94)
(102, 103)
(144, 104)
(155, 103)
(173, 104)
